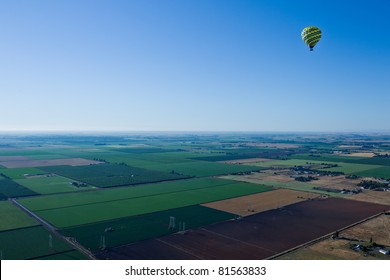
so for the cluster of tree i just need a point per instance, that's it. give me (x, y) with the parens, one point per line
(373, 185)
(78, 184)
(329, 173)
(329, 165)
(351, 176)
(4, 176)
(382, 155)
(305, 178)
(324, 164)
(99, 159)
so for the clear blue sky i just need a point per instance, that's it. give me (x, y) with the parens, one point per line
(194, 65)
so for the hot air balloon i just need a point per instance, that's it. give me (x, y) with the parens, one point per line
(311, 35)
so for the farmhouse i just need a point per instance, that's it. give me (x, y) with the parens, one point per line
(384, 252)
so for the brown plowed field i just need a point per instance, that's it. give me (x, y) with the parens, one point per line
(339, 249)
(253, 237)
(260, 202)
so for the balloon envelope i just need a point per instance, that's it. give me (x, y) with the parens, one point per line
(311, 35)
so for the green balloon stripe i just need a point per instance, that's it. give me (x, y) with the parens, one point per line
(311, 35)
(311, 40)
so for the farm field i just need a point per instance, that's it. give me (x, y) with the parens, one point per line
(30, 243)
(348, 168)
(338, 183)
(11, 217)
(380, 172)
(9, 189)
(373, 196)
(255, 203)
(111, 175)
(122, 193)
(21, 173)
(254, 237)
(288, 184)
(136, 228)
(51, 184)
(47, 156)
(91, 213)
(47, 162)
(203, 168)
(236, 193)
(340, 249)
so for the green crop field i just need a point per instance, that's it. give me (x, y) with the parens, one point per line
(51, 184)
(67, 255)
(130, 160)
(29, 243)
(203, 168)
(380, 172)
(9, 188)
(18, 173)
(136, 228)
(144, 160)
(111, 175)
(353, 168)
(11, 217)
(40, 203)
(142, 150)
(168, 157)
(95, 212)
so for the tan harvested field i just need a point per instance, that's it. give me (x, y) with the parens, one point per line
(12, 158)
(378, 229)
(336, 182)
(281, 176)
(372, 196)
(50, 162)
(350, 146)
(248, 160)
(251, 204)
(363, 154)
(326, 250)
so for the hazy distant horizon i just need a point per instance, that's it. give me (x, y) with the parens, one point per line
(146, 132)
